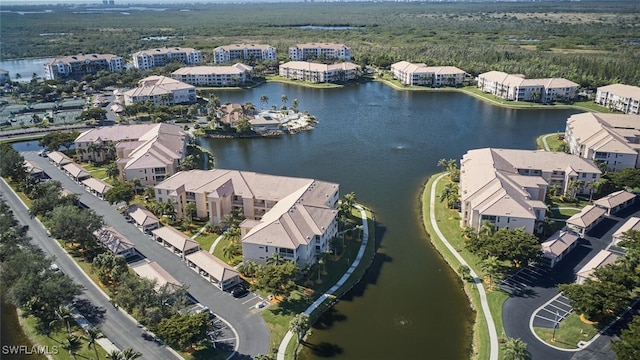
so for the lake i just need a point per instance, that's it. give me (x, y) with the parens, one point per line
(25, 67)
(383, 144)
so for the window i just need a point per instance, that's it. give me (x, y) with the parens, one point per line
(593, 176)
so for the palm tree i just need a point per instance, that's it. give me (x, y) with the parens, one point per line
(72, 345)
(294, 104)
(450, 193)
(554, 189)
(299, 325)
(516, 349)
(233, 234)
(64, 314)
(115, 355)
(93, 334)
(573, 186)
(487, 228)
(284, 99)
(130, 354)
(490, 265)
(264, 99)
(275, 259)
(189, 208)
(111, 170)
(230, 250)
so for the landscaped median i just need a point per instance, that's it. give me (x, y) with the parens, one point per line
(448, 222)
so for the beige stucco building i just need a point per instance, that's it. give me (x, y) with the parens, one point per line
(309, 51)
(233, 75)
(77, 66)
(611, 138)
(294, 217)
(507, 187)
(318, 73)
(423, 75)
(516, 87)
(147, 59)
(160, 90)
(235, 52)
(625, 98)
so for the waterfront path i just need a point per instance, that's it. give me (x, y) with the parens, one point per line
(493, 336)
(282, 349)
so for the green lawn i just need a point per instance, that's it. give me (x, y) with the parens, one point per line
(569, 332)
(280, 79)
(55, 341)
(554, 140)
(448, 223)
(206, 240)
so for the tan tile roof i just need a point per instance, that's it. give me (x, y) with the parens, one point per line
(602, 258)
(165, 50)
(97, 185)
(157, 85)
(141, 215)
(237, 69)
(176, 238)
(622, 90)
(115, 133)
(557, 243)
(606, 132)
(614, 199)
(243, 47)
(76, 170)
(59, 158)
(215, 267)
(333, 46)
(151, 270)
(633, 223)
(310, 66)
(81, 58)
(587, 216)
(32, 167)
(520, 80)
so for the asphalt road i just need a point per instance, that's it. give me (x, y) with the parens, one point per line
(517, 310)
(253, 334)
(123, 331)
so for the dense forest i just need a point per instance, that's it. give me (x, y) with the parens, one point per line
(590, 42)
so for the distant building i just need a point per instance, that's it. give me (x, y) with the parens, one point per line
(319, 51)
(147, 59)
(235, 52)
(620, 97)
(233, 75)
(516, 87)
(423, 75)
(77, 66)
(319, 73)
(613, 139)
(160, 90)
(4, 77)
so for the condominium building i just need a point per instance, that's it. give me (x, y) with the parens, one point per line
(160, 90)
(516, 87)
(611, 138)
(318, 51)
(77, 66)
(507, 187)
(233, 75)
(317, 73)
(147, 59)
(235, 52)
(625, 98)
(423, 75)
(293, 217)
(148, 152)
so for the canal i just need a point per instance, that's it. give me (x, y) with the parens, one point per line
(383, 144)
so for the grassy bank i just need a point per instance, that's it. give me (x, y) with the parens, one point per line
(280, 79)
(448, 223)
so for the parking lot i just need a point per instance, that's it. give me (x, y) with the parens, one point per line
(524, 279)
(552, 312)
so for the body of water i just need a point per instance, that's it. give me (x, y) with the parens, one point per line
(25, 67)
(383, 144)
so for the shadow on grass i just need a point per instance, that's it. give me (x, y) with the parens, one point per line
(291, 306)
(324, 349)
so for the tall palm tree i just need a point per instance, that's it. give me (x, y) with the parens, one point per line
(230, 250)
(64, 314)
(573, 187)
(264, 99)
(72, 345)
(284, 99)
(275, 259)
(516, 349)
(450, 193)
(115, 355)
(189, 208)
(299, 325)
(130, 354)
(93, 334)
(233, 234)
(490, 265)
(487, 228)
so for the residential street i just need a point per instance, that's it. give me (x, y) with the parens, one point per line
(252, 332)
(115, 325)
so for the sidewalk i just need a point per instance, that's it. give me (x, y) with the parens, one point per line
(282, 349)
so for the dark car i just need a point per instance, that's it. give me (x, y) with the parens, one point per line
(239, 291)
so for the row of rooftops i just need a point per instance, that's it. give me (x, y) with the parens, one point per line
(420, 68)
(611, 133)
(516, 80)
(622, 90)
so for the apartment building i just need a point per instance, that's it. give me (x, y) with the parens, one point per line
(235, 52)
(77, 66)
(507, 187)
(148, 152)
(611, 138)
(160, 90)
(318, 73)
(620, 97)
(420, 74)
(293, 217)
(147, 59)
(319, 51)
(233, 75)
(516, 87)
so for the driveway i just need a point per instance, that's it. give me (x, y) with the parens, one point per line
(253, 335)
(520, 307)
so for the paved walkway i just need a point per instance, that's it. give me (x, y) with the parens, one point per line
(365, 239)
(493, 336)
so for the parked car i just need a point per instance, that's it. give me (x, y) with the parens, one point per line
(239, 291)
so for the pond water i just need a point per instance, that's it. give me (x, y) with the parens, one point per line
(25, 68)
